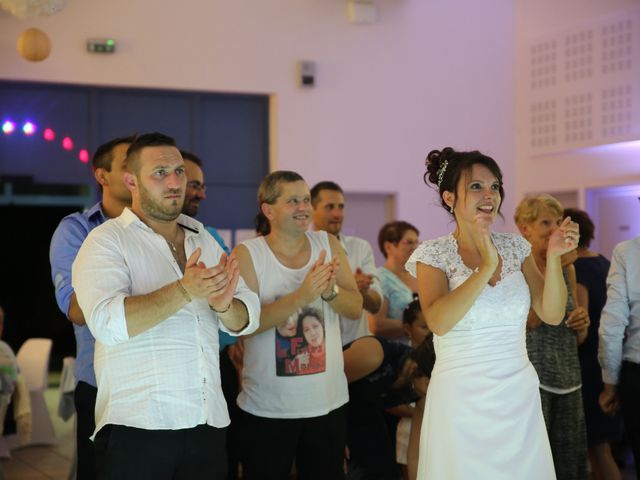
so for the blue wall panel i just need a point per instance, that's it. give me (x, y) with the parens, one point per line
(229, 207)
(121, 113)
(236, 131)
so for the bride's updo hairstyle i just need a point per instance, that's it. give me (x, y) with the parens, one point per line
(445, 168)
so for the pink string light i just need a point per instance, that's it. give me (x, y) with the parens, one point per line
(83, 155)
(49, 134)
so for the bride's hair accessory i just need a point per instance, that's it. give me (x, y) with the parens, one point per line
(441, 171)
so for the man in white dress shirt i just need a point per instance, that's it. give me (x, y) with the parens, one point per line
(155, 287)
(327, 200)
(619, 347)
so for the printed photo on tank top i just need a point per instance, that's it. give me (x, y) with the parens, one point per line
(301, 343)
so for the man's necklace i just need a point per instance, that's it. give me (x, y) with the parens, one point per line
(172, 245)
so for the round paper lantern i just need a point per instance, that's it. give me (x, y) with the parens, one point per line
(34, 45)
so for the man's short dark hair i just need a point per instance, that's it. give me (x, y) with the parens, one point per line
(191, 157)
(143, 141)
(103, 158)
(324, 185)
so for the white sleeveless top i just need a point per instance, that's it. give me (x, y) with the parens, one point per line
(295, 370)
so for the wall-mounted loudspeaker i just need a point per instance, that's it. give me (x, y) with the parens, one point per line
(307, 73)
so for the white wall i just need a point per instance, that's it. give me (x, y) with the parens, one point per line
(428, 74)
(576, 170)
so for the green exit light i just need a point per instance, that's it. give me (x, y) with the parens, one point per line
(101, 45)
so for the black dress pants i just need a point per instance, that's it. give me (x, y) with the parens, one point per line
(127, 453)
(316, 444)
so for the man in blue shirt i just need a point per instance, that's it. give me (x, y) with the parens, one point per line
(108, 169)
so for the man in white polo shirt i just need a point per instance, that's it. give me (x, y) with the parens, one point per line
(327, 199)
(154, 287)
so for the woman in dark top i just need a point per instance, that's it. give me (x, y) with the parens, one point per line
(591, 275)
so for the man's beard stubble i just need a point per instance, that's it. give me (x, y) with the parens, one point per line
(156, 210)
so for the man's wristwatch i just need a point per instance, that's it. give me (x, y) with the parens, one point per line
(331, 296)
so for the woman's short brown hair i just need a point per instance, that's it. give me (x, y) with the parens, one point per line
(393, 232)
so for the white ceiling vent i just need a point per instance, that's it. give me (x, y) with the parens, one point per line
(584, 85)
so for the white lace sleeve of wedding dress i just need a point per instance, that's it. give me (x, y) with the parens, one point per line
(431, 252)
(522, 246)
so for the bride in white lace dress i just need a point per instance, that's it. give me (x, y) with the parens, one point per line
(482, 417)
